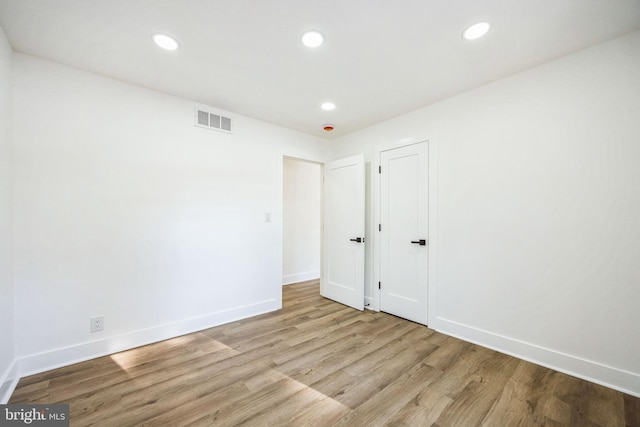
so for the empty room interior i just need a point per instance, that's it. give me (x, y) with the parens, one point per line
(334, 212)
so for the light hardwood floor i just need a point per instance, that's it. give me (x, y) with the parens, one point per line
(319, 363)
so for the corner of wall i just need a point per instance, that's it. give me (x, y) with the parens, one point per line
(8, 382)
(8, 363)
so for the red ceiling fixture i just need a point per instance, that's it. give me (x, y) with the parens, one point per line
(328, 127)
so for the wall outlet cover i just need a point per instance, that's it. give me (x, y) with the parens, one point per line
(97, 324)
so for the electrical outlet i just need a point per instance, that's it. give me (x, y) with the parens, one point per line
(97, 323)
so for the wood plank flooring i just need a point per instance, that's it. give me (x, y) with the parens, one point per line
(319, 363)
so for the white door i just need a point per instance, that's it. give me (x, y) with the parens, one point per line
(343, 233)
(404, 240)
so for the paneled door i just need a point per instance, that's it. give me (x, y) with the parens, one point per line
(343, 232)
(404, 240)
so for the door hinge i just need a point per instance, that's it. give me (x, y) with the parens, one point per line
(379, 169)
(379, 285)
(379, 227)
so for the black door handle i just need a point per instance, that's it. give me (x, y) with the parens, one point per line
(357, 239)
(421, 242)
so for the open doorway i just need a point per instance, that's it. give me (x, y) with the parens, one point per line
(301, 220)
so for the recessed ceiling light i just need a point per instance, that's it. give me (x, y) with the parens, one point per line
(312, 39)
(328, 106)
(476, 31)
(165, 42)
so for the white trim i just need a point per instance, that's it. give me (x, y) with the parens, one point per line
(432, 281)
(40, 362)
(386, 146)
(8, 382)
(300, 277)
(278, 221)
(370, 230)
(608, 376)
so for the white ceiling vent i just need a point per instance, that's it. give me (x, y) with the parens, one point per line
(211, 120)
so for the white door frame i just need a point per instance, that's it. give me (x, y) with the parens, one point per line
(277, 219)
(432, 223)
(320, 167)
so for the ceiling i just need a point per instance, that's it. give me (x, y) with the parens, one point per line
(380, 58)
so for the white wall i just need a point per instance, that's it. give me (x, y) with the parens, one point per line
(125, 209)
(538, 211)
(301, 221)
(7, 336)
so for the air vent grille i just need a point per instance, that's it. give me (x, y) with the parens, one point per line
(226, 124)
(203, 118)
(210, 120)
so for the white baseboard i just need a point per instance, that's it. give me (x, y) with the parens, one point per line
(300, 277)
(8, 382)
(40, 362)
(624, 381)
(617, 379)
